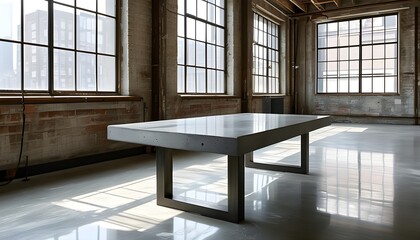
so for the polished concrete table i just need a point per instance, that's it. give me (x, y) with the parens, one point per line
(235, 135)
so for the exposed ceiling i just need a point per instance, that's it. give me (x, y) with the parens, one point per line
(304, 6)
(310, 7)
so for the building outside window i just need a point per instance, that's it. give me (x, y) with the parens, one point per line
(201, 47)
(358, 56)
(265, 50)
(79, 36)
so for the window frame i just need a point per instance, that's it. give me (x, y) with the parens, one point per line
(267, 49)
(360, 58)
(51, 48)
(182, 89)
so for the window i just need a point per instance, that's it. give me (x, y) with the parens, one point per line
(58, 47)
(201, 47)
(358, 56)
(265, 71)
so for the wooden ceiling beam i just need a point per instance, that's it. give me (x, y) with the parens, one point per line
(337, 2)
(300, 5)
(317, 5)
(286, 4)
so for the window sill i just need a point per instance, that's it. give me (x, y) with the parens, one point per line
(65, 99)
(216, 96)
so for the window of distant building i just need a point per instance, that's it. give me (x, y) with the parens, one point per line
(265, 71)
(358, 56)
(201, 47)
(58, 47)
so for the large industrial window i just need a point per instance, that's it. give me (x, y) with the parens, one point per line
(265, 71)
(358, 56)
(201, 47)
(58, 47)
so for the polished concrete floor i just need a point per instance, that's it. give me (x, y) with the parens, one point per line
(364, 183)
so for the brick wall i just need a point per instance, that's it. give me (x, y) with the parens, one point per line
(61, 131)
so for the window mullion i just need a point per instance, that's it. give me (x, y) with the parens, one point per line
(50, 47)
(22, 47)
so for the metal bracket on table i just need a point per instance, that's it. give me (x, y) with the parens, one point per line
(304, 160)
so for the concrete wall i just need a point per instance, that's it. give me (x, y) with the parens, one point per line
(399, 108)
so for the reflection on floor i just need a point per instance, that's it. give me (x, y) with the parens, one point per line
(364, 183)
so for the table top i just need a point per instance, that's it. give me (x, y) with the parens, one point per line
(232, 134)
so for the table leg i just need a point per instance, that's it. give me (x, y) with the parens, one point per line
(236, 190)
(164, 171)
(304, 160)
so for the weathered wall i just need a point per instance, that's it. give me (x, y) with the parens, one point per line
(61, 131)
(397, 108)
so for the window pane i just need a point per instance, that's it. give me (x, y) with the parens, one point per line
(354, 85)
(366, 85)
(190, 28)
(367, 67)
(86, 72)
(322, 42)
(322, 85)
(211, 13)
(378, 51)
(220, 16)
(36, 68)
(64, 78)
(181, 50)
(391, 22)
(322, 29)
(332, 85)
(201, 54)
(86, 4)
(354, 53)
(211, 34)
(181, 7)
(391, 51)
(332, 54)
(10, 73)
(220, 37)
(220, 82)
(322, 70)
(106, 35)
(63, 26)
(211, 81)
(391, 67)
(220, 58)
(191, 79)
(201, 31)
(192, 7)
(344, 54)
(10, 19)
(190, 52)
(201, 80)
(106, 74)
(391, 84)
(378, 85)
(181, 79)
(181, 28)
(211, 56)
(107, 7)
(201, 9)
(36, 21)
(86, 31)
(367, 52)
(343, 85)
(220, 3)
